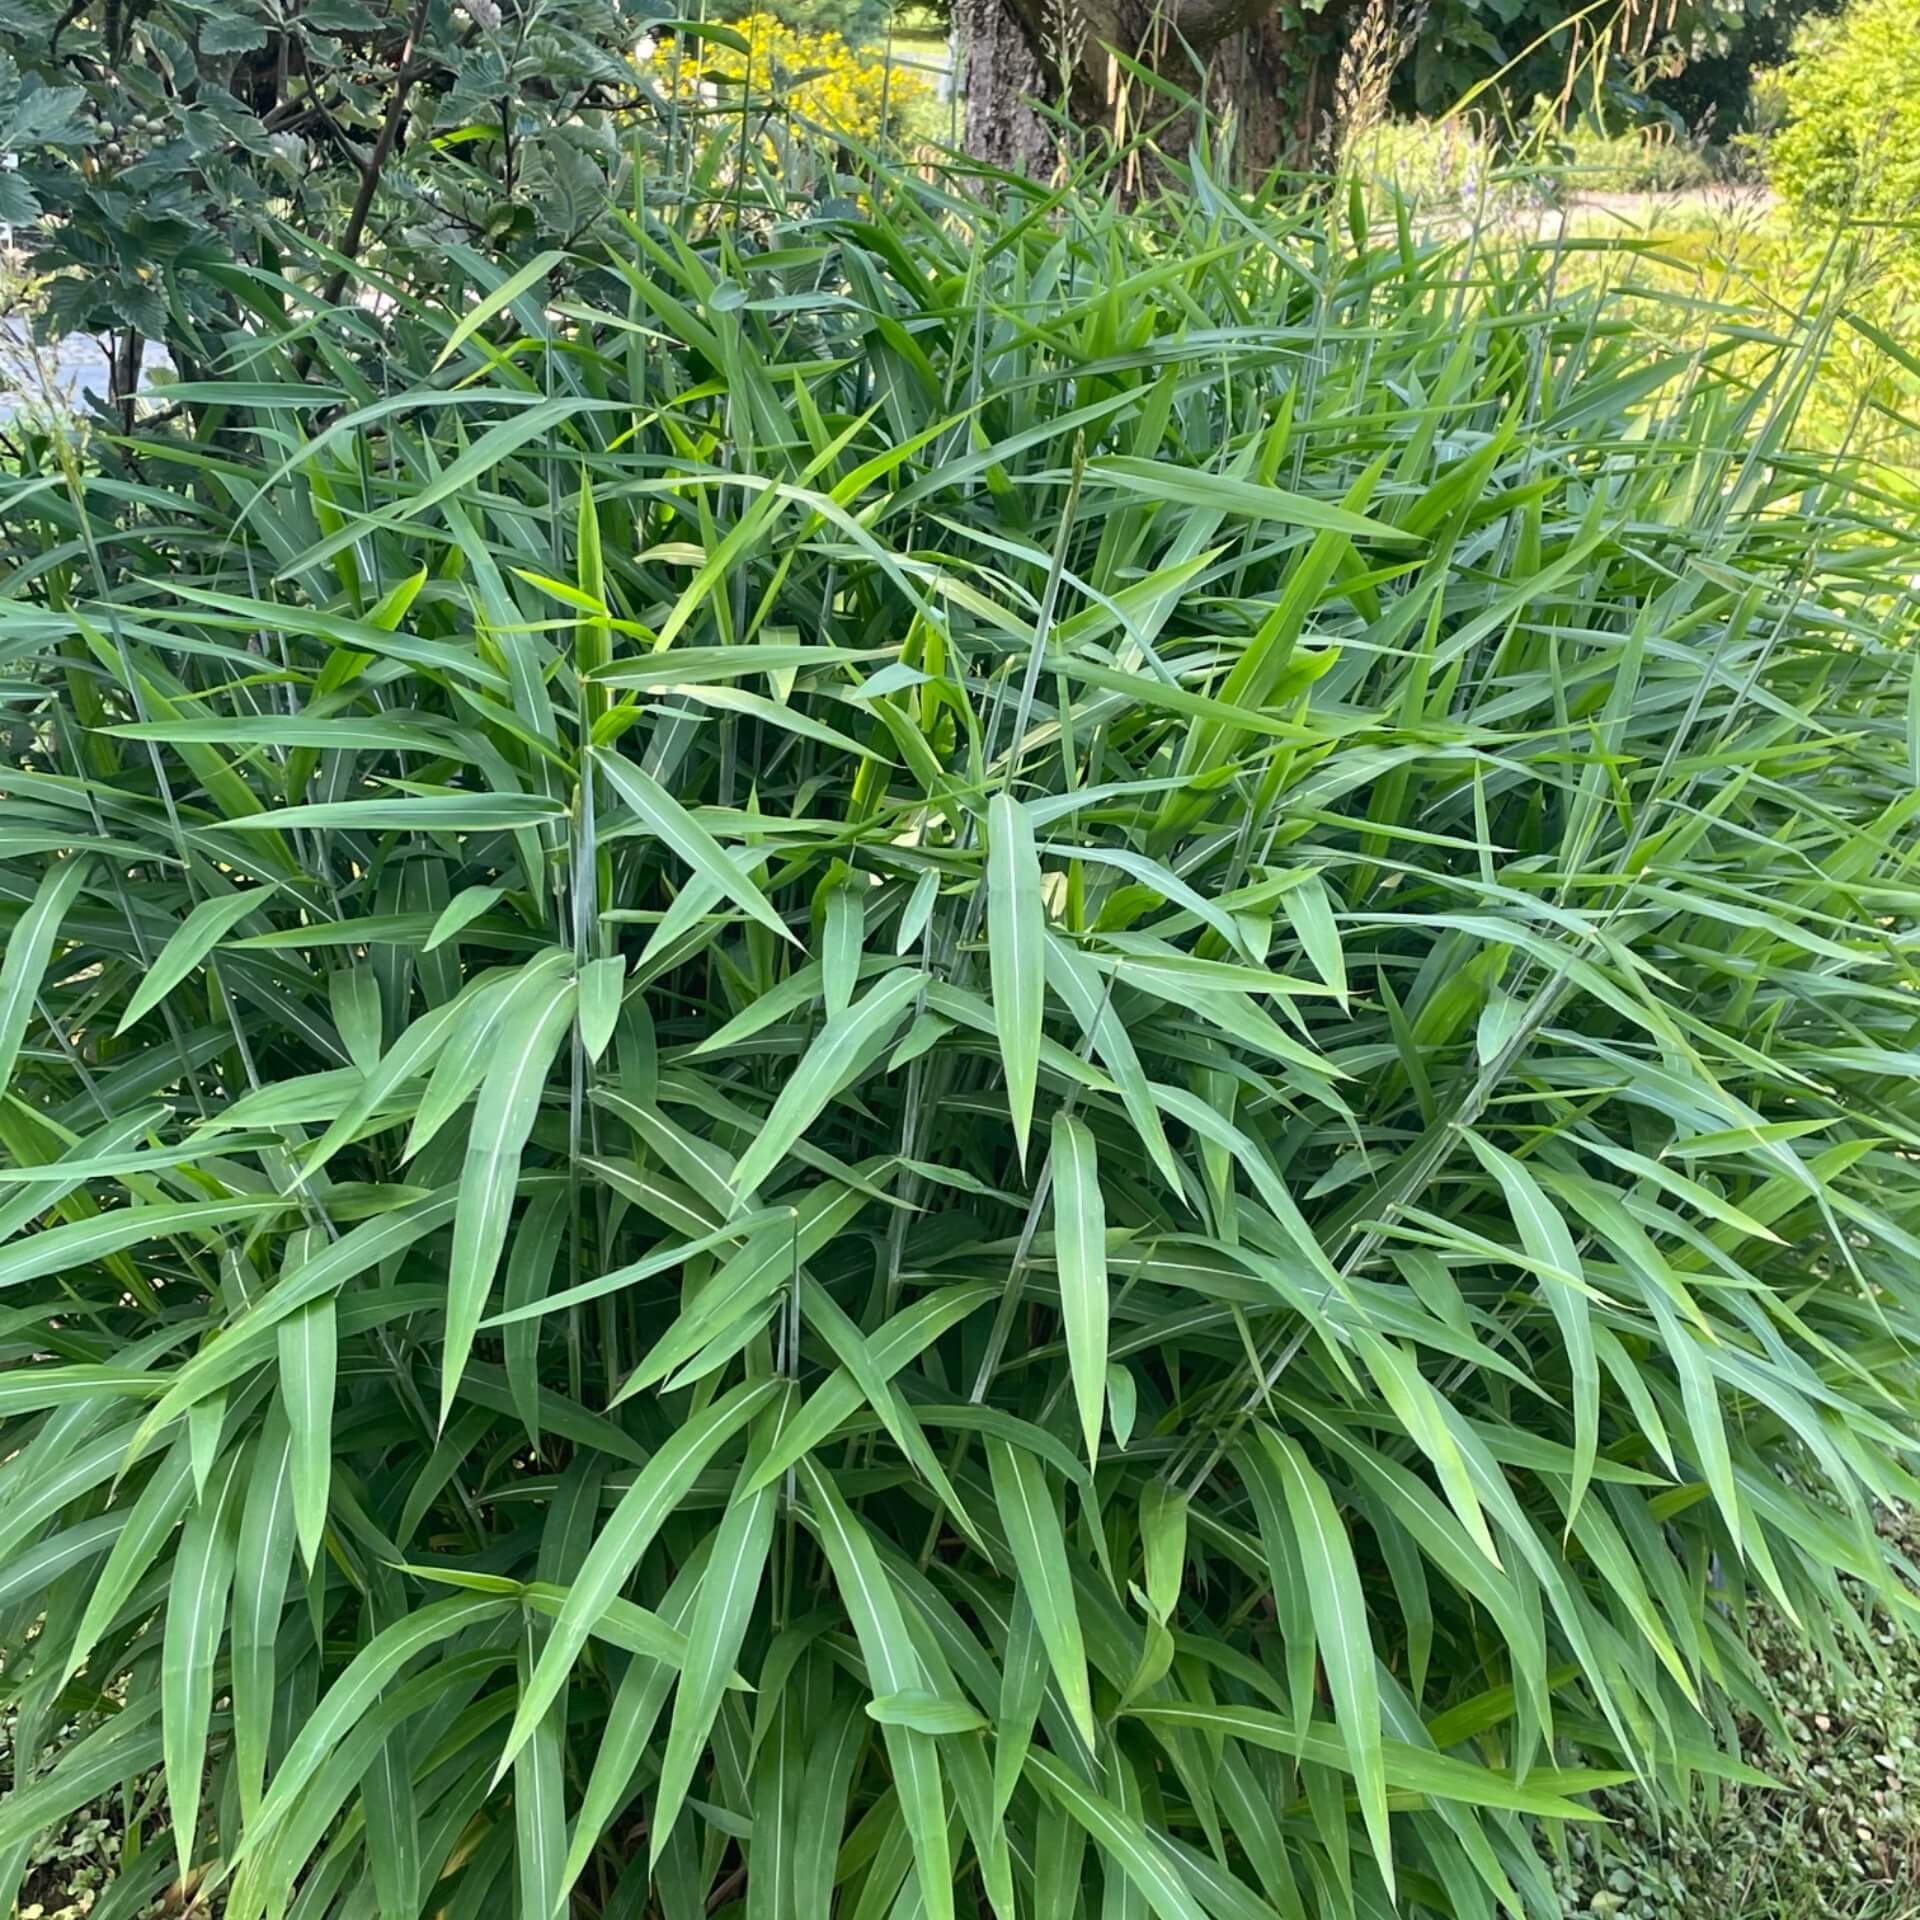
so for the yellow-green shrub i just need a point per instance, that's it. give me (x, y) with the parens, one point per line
(817, 75)
(1851, 143)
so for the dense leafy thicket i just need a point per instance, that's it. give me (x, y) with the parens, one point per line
(1851, 99)
(1696, 55)
(1716, 87)
(1026, 1062)
(159, 158)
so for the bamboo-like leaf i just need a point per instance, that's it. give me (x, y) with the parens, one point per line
(1039, 1548)
(1163, 1540)
(502, 296)
(153, 1515)
(909, 1332)
(625, 1537)
(263, 1560)
(530, 1266)
(831, 1764)
(600, 985)
(840, 946)
(918, 911)
(1544, 1235)
(716, 1628)
(509, 1102)
(422, 813)
(636, 1709)
(355, 1691)
(1121, 1839)
(462, 911)
(467, 1050)
(1340, 1625)
(29, 948)
(196, 1619)
(1415, 1403)
(1311, 912)
(1222, 493)
(661, 814)
(660, 1261)
(1080, 1255)
(353, 995)
(893, 1668)
(1409, 1769)
(189, 944)
(847, 1043)
(925, 1712)
(309, 1351)
(538, 1812)
(64, 1249)
(1016, 933)
(393, 1826)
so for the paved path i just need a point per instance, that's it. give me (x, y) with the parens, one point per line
(927, 55)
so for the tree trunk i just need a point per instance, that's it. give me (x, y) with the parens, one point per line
(1001, 73)
(1265, 81)
(1234, 53)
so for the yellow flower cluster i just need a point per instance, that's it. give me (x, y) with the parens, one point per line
(817, 76)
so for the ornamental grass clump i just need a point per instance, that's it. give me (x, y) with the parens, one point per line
(1027, 1062)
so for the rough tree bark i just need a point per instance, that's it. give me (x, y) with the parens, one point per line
(1014, 52)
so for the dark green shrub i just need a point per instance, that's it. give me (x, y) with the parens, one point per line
(1711, 85)
(169, 161)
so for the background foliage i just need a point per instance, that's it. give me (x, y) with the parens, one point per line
(157, 160)
(1691, 61)
(1718, 90)
(181, 151)
(1851, 98)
